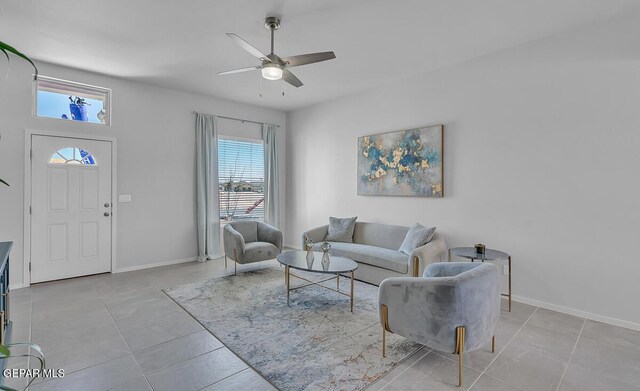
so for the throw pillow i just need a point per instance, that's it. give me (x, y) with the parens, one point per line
(418, 235)
(341, 230)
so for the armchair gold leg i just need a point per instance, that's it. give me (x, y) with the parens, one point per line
(493, 344)
(235, 264)
(460, 331)
(385, 328)
(384, 343)
(416, 266)
(225, 261)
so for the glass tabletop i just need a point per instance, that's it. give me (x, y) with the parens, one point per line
(470, 252)
(316, 262)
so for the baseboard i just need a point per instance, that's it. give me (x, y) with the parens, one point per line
(292, 247)
(582, 314)
(156, 264)
(17, 286)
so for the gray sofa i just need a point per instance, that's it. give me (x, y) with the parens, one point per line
(375, 249)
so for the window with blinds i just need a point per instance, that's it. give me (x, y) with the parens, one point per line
(241, 177)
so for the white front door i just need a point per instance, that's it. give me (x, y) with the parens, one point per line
(70, 207)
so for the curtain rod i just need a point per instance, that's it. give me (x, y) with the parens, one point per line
(239, 119)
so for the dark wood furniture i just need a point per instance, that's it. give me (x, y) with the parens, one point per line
(5, 323)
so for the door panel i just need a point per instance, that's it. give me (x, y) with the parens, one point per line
(70, 233)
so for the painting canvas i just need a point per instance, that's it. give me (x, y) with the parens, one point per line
(404, 163)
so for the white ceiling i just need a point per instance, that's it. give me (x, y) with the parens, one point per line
(182, 45)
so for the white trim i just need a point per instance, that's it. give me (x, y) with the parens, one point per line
(26, 233)
(156, 264)
(582, 314)
(17, 286)
(292, 247)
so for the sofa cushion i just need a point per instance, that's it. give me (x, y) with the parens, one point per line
(418, 235)
(379, 235)
(341, 229)
(371, 255)
(259, 251)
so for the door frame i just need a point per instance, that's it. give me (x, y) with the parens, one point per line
(28, 133)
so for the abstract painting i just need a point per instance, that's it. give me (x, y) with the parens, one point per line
(403, 163)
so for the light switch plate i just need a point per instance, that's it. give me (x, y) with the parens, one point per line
(124, 198)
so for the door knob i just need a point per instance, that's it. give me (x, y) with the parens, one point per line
(106, 204)
(107, 214)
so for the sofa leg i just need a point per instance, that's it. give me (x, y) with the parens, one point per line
(460, 331)
(493, 344)
(225, 261)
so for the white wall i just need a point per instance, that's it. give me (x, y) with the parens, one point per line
(541, 160)
(156, 160)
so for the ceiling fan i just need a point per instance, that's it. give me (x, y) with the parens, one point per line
(274, 67)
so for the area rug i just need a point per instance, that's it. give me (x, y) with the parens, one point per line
(316, 343)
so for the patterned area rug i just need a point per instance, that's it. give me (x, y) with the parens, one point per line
(316, 343)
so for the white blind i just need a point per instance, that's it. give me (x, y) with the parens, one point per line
(241, 176)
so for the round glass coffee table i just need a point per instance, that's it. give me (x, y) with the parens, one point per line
(316, 262)
(489, 255)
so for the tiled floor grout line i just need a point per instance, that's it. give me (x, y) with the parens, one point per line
(259, 266)
(575, 346)
(120, 333)
(503, 349)
(226, 377)
(407, 368)
(182, 362)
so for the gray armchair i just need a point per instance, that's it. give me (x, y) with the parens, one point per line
(453, 307)
(250, 241)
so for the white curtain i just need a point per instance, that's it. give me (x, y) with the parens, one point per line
(272, 184)
(207, 193)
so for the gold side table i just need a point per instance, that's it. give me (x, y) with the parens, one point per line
(489, 255)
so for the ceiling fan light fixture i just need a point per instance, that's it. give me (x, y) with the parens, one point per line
(272, 71)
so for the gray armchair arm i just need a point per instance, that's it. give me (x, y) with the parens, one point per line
(421, 257)
(316, 234)
(233, 240)
(421, 309)
(448, 269)
(428, 309)
(270, 234)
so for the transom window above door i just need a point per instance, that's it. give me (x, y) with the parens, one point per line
(72, 155)
(62, 99)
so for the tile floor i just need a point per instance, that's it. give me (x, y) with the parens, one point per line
(120, 332)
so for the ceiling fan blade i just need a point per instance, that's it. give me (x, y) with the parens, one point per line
(310, 58)
(239, 70)
(247, 46)
(291, 78)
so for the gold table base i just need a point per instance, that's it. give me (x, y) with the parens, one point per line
(287, 281)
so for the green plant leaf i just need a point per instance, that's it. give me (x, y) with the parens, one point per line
(1, 181)
(6, 54)
(7, 48)
(4, 351)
